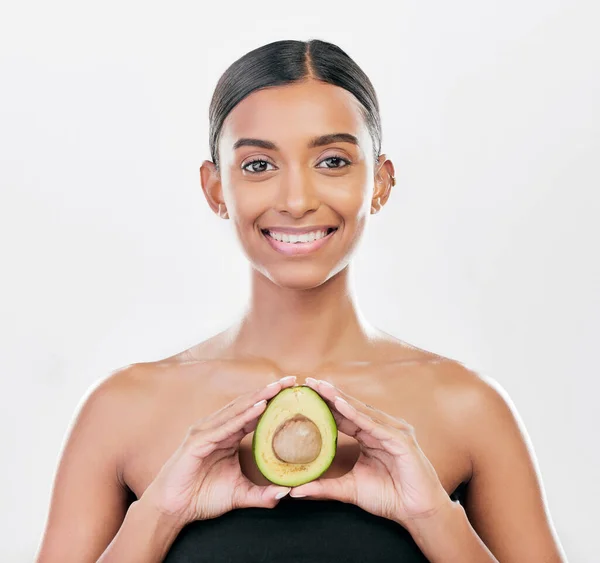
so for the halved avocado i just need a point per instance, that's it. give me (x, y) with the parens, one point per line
(296, 437)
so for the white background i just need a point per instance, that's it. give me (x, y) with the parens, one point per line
(486, 252)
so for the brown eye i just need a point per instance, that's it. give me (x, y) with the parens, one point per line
(256, 166)
(336, 162)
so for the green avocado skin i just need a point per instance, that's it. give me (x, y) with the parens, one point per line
(291, 480)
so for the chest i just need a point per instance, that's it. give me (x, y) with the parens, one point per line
(156, 439)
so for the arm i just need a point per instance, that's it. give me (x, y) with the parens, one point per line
(448, 537)
(505, 501)
(89, 499)
(145, 536)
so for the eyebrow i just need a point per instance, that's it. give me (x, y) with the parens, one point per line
(314, 142)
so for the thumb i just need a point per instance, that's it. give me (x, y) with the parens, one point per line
(341, 489)
(259, 496)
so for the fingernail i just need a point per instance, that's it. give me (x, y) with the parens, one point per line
(326, 383)
(312, 381)
(259, 403)
(282, 494)
(296, 495)
(273, 384)
(343, 401)
(287, 378)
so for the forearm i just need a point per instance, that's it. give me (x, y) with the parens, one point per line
(144, 537)
(448, 537)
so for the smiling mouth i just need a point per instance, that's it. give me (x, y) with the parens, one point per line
(298, 239)
(293, 245)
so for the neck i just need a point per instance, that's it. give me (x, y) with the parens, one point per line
(300, 330)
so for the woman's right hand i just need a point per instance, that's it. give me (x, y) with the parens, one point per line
(203, 478)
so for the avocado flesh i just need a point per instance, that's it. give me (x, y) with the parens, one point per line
(299, 403)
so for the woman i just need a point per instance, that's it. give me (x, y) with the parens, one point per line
(432, 463)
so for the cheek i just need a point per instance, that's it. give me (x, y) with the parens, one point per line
(355, 196)
(352, 202)
(247, 203)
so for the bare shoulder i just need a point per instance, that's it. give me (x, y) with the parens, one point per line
(475, 401)
(117, 389)
(111, 394)
(487, 419)
(462, 389)
(469, 386)
(123, 397)
(115, 400)
(473, 404)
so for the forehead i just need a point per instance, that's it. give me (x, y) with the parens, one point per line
(295, 112)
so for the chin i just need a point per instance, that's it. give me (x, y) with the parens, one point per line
(301, 277)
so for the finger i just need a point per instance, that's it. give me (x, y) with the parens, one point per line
(346, 426)
(362, 429)
(247, 495)
(330, 391)
(266, 392)
(242, 403)
(394, 440)
(342, 488)
(235, 439)
(206, 440)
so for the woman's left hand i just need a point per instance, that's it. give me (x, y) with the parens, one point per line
(392, 476)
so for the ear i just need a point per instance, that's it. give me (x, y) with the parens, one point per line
(210, 179)
(384, 181)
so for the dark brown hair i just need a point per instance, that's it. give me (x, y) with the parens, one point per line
(285, 62)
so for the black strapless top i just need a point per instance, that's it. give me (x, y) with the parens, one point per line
(298, 531)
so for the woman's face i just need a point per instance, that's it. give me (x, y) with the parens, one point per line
(279, 175)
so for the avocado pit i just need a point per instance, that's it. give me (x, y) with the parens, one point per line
(297, 440)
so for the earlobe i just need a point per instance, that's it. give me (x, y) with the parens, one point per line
(375, 206)
(223, 211)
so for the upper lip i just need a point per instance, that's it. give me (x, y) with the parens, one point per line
(300, 230)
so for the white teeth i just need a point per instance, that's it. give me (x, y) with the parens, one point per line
(304, 237)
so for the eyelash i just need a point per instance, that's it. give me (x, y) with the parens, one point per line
(345, 160)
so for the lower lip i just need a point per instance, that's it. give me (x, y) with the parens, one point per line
(293, 248)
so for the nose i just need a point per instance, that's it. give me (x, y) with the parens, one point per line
(297, 194)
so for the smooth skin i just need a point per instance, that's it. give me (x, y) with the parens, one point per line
(302, 319)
